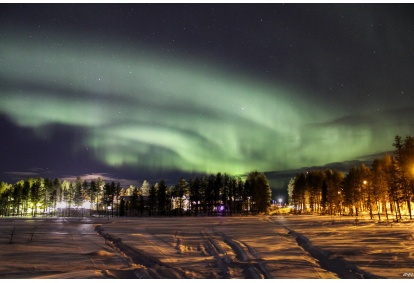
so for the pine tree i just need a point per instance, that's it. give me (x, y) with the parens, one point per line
(261, 192)
(195, 195)
(182, 190)
(161, 197)
(404, 157)
(324, 198)
(298, 196)
(78, 197)
(152, 200)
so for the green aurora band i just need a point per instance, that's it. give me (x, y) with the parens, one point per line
(143, 108)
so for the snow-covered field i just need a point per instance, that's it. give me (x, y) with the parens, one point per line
(205, 247)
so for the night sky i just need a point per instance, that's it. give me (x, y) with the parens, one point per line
(150, 91)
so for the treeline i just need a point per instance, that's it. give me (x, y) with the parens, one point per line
(384, 189)
(206, 195)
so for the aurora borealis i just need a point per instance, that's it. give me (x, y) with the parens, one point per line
(149, 91)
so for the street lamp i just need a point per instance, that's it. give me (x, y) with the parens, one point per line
(280, 202)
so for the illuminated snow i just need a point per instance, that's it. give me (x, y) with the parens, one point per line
(205, 247)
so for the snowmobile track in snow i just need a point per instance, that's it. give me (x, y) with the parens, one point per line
(153, 268)
(343, 268)
(252, 267)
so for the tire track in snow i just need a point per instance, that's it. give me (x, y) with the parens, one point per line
(343, 268)
(181, 245)
(252, 270)
(152, 268)
(221, 258)
(261, 263)
(253, 267)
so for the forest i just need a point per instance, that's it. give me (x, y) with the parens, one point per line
(215, 194)
(385, 189)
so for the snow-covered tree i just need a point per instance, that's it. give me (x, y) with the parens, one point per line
(290, 188)
(145, 188)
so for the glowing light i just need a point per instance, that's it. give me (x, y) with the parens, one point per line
(86, 204)
(202, 117)
(61, 205)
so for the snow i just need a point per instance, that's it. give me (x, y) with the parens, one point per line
(280, 246)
